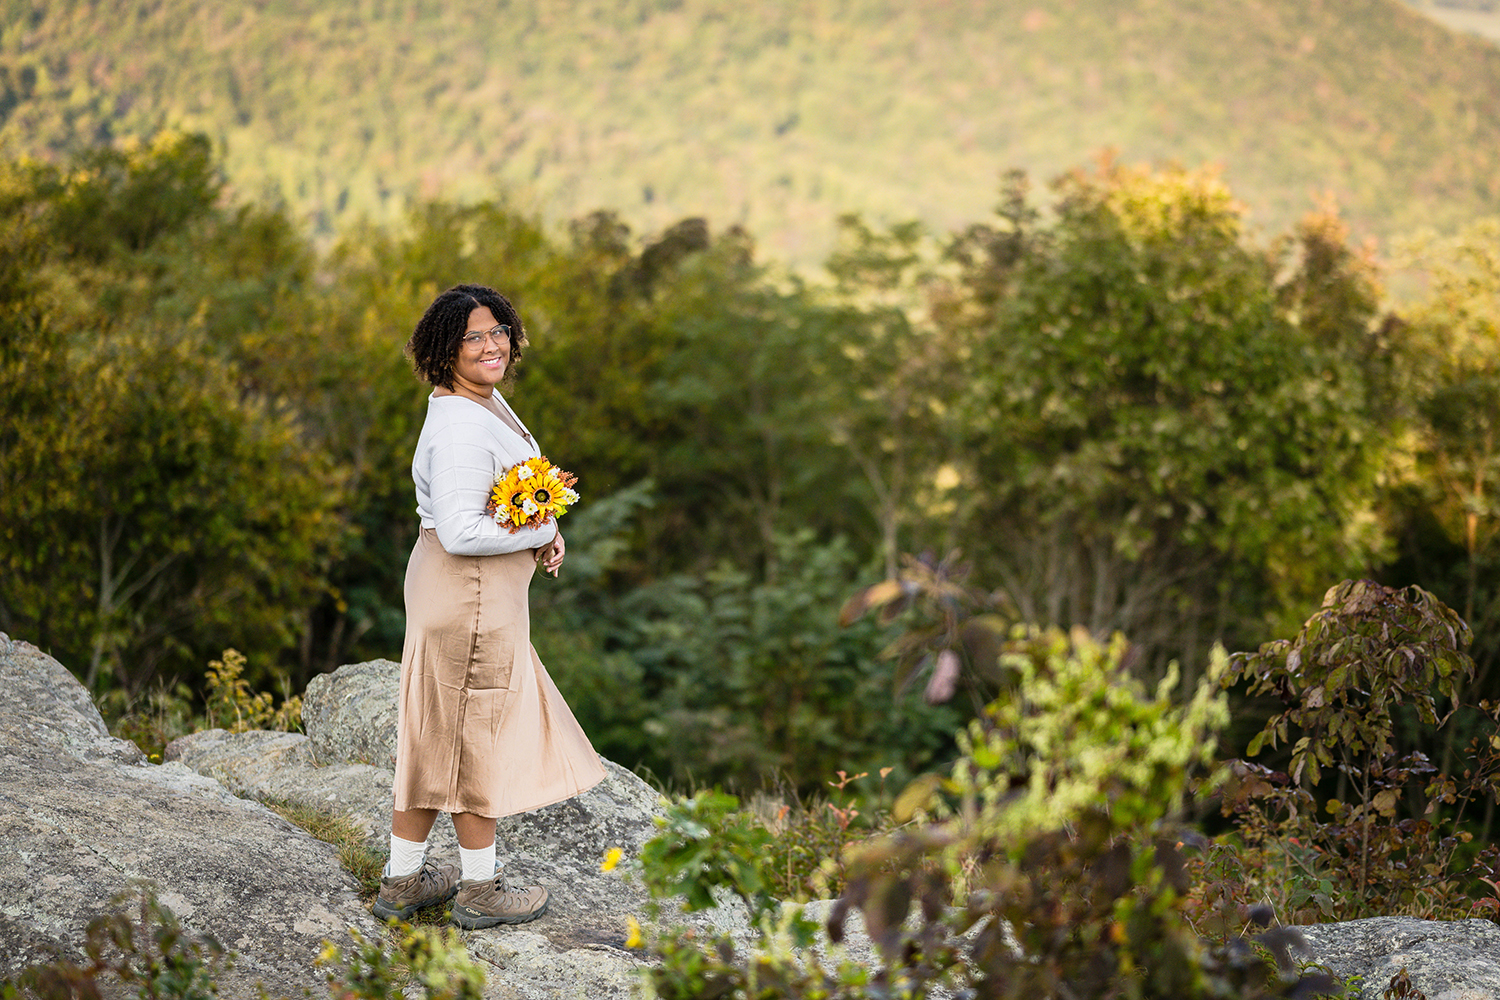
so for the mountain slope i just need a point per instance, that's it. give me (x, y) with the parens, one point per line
(776, 115)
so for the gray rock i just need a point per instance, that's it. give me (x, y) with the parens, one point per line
(1445, 960)
(83, 818)
(45, 705)
(350, 714)
(282, 767)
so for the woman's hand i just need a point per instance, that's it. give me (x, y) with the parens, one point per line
(550, 556)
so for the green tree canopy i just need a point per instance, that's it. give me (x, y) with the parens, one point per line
(154, 506)
(1158, 445)
(1454, 358)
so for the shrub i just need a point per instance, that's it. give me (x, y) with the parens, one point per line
(149, 952)
(705, 844)
(232, 706)
(1394, 840)
(811, 834)
(748, 678)
(431, 958)
(1049, 863)
(153, 720)
(158, 718)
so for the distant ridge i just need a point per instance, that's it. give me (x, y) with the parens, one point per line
(776, 115)
(1478, 17)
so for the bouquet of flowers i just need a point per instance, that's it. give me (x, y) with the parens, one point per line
(530, 493)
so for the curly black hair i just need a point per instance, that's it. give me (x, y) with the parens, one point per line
(435, 343)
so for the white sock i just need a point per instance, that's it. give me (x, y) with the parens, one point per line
(478, 864)
(406, 857)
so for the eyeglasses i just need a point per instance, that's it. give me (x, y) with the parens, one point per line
(476, 339)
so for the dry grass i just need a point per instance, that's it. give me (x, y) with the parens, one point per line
(355, 854)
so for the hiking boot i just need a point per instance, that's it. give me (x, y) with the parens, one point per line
(404, 895)
(489, 901)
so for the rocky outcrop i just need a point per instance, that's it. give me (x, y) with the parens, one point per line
(83, 817)
(344, 763)
(1445, 960)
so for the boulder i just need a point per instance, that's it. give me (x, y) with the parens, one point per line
(350, 714)
(84, 818)
(45, 706)
(268, 766)
(1444, 959)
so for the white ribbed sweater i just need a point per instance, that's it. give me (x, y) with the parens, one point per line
(461, 448)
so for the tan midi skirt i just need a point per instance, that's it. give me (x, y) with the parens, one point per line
(481, 727)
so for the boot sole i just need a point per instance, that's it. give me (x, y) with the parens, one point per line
(385, 911)
(471, 920)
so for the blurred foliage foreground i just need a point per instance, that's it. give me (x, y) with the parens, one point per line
(1055, 858)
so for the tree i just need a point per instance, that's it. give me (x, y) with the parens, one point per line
(158, 514)
(1163, 448)
(1454, 354)
(155, 507)
(901, 371)
(124, 198)
(752, 677)
(703, 374)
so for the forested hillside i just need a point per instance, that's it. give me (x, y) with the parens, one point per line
(775, 116)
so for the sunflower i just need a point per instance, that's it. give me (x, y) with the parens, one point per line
(530, 493)
(550, 492)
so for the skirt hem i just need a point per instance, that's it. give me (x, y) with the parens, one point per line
(444, 808)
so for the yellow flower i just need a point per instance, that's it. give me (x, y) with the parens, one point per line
(530, 494)
(611, 859)
(634, 940)
(548, 492)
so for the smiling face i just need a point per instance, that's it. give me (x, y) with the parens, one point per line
(478, 368)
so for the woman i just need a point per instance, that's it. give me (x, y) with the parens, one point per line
(482, 732)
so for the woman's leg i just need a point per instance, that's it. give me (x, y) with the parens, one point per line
(483, 898)
(411, 881)
(474, 832)
(409, 830)
(476, 846)
(416, 824)
(476, 838)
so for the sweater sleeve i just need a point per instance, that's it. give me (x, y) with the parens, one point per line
(461, 474)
